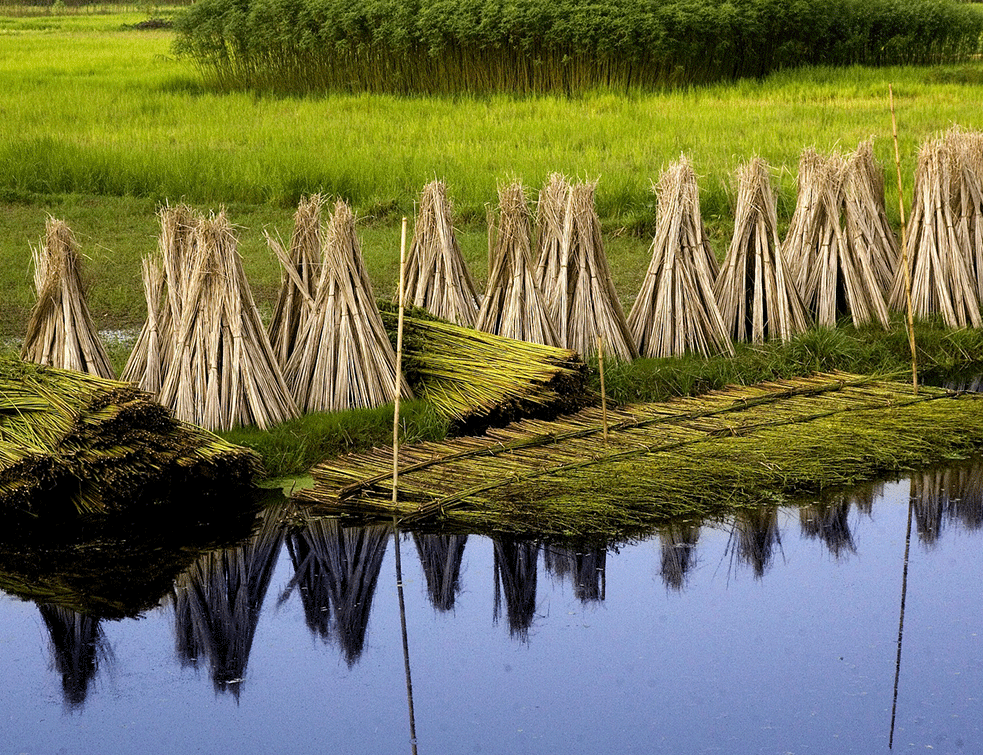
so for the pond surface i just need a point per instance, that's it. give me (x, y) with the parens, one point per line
(773, 632)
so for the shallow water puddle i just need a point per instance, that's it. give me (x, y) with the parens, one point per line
(772, 632)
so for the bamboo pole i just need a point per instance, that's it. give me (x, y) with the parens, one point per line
(399, 359)
(904, 247)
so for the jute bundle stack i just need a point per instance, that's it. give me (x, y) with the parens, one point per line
(60, 332)
(223, 373)
(585, 299)
(513, 305)
(550, 210)
(755, 292)
(164, 279)
(301, 265)
(676, 309)
(942, 239)
(968, 146)
(838, 246)
(437, 278)
(74, 441)
(343, 358)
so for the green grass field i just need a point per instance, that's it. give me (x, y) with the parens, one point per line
(100, 124)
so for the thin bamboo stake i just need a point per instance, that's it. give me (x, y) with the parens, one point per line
(904, 248)
(399, 360)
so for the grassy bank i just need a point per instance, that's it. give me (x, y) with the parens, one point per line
(101, 124)
(944, 355)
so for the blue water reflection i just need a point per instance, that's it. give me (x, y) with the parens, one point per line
(774, 631)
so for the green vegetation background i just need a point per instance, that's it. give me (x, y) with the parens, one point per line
(101, 124)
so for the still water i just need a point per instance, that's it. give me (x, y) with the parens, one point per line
(771, 632)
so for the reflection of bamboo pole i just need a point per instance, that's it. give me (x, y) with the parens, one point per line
(406, 644)
(904, 249)
(904, 592)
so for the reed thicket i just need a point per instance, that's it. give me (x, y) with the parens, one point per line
(536, 46)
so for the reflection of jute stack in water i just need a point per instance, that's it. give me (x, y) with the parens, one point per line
(754, 290)
(755, 536)
(944, 240)
(839, 247)
(77, 642)
(343, 358)
(676, 309)
(301, 267)
(60, 332)
(437, 278)
(678, 545)
(440, 557)
(829, 523)
(945, 497)
(584, 298)
(515, 577)
(217, 603)
(513, 306)
(583, 566)
(337, 569)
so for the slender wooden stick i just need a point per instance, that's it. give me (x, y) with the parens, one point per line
(904, 248)
(399, 358)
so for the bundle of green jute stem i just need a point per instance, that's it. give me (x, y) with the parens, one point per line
(518, 378)
(676, 309)
(838, 247)
(437, 277)
(301, 267)
(343, 358)
(944, 239)
(94, 445)
(513, 305)
(60, 332)
(701, 455)
(756, 295)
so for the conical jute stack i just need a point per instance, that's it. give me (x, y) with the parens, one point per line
(223, 372)
(60, 332)
(839, 248)
(676, 310)
(301, 266)
(942, 237)
(550, 211)
(437, 278)
(164, 280)
(513, 305)
(584, 298)
(968, 147)
(755, 293)
(343, 358)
